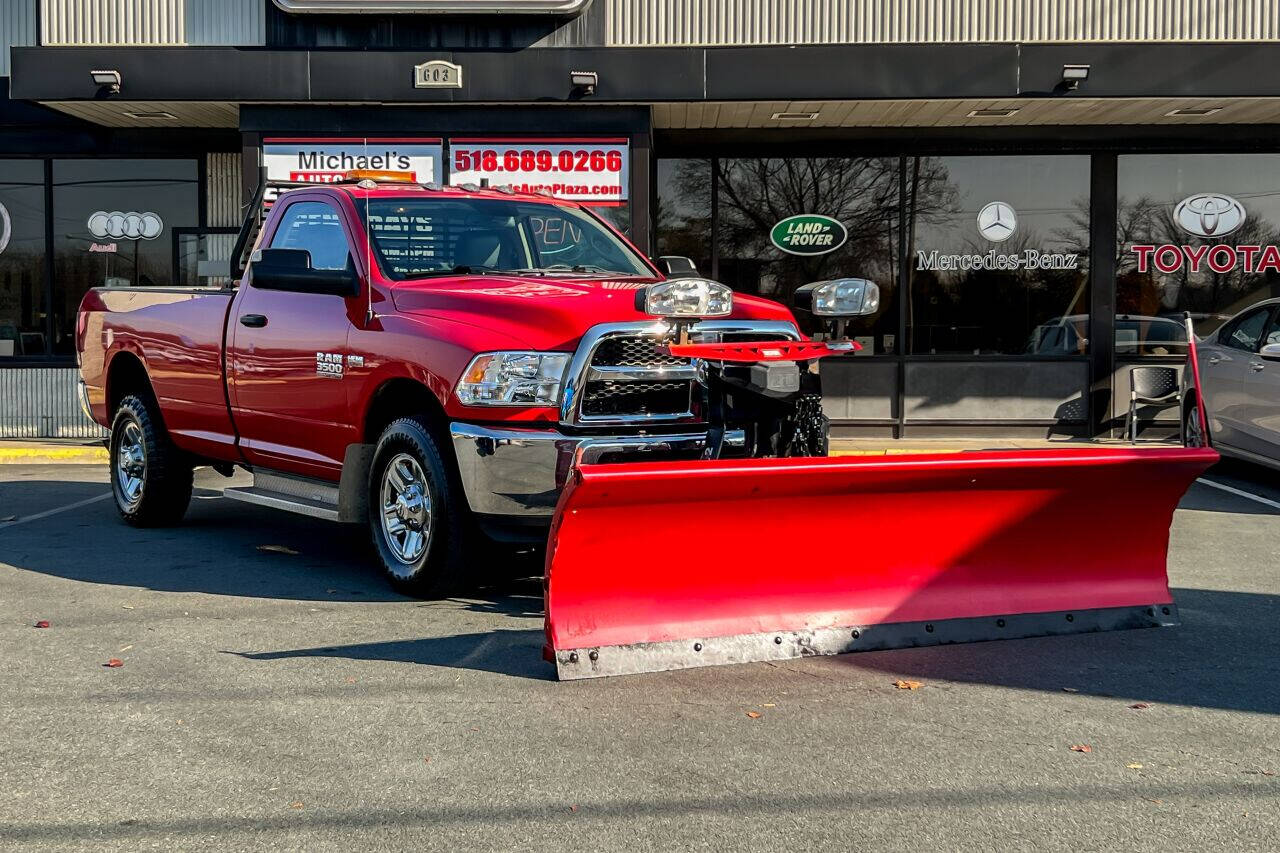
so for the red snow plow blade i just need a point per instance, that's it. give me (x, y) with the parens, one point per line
(657, 566)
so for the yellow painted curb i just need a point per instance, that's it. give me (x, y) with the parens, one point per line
(35, 455)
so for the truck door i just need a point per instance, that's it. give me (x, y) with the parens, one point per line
(287, 351)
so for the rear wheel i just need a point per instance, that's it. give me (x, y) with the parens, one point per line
(415, 521)
(150, 478)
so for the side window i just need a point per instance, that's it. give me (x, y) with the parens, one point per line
(314, 226)
(1244, 333)
(1273, 331)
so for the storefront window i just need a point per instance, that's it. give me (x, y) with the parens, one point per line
(22, 303)
(682, 211)
(113, 225)
(785, 222)
(998, 249)
(1198, 233)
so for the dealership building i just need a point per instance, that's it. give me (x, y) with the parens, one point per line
(1040, 189)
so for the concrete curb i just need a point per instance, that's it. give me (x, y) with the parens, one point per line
(52, 454)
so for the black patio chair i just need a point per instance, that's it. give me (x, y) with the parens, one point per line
(1153, 386)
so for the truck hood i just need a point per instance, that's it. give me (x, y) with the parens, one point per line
(546, 313)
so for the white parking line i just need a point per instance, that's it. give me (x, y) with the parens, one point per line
(1241, 493)
(55, 511)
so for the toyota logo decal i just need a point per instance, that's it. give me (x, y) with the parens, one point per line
(1209, 215)
(997, 221)
(129, 226)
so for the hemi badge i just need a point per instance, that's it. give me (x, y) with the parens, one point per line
(355, 361)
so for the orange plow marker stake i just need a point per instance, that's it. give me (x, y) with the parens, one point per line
(656, 566)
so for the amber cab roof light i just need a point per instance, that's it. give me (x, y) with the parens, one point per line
(382, 177)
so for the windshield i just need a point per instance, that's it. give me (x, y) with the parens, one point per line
(418, 238)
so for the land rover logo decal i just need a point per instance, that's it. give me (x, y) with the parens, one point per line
(808, 234)
(997, 221)
(1209, 215)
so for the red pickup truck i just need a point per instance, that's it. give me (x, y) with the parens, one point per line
(429, 360)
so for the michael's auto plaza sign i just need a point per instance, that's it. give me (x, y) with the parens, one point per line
(594, 171)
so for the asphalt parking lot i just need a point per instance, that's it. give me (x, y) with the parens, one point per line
(283, 697)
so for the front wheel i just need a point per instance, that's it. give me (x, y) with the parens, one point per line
(414, 518)
(150, 478)
(1194, 433)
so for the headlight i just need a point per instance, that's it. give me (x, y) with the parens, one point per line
(513, 379)
(841, 297)
(685, 297)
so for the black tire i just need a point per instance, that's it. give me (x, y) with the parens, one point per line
(438, 569)
(156, 492)
(1194, 433)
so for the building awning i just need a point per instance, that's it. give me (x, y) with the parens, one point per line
(866, 85)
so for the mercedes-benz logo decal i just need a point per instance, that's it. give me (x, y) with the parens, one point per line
(997, 221)
(1209, 215)
(6, 228)
(130, 226)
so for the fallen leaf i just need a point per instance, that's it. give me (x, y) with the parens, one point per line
(1081, 747)
(351, 681)
(1138, 706)
(1070, 690)
(573, 808)
(295, 805)
(1155, 800)
(1134, 766)
(426, 759)
(755, 715)
(43, 623)
(114, 662)
(278, 549)
(906, 685)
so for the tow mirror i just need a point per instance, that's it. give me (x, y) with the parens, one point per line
(291, 270)
(677, 266)
(1270, 352)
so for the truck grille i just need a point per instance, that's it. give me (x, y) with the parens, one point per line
(608, 398)
(632, 398)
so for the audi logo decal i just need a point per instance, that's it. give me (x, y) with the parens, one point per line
(997, 221)
(1209, 215)
(129, 225)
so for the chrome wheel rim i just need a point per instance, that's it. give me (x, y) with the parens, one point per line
(406, 509)
(131, 463)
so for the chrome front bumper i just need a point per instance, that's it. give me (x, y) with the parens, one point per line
(520, 472)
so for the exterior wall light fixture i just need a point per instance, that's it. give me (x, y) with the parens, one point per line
(1073, 76)
(108, 79)
(584, 82)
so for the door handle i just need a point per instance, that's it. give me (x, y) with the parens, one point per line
(253, 321)
(1213, 359)
(1257, 365)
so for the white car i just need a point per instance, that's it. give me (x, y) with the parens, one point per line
(1240, 378)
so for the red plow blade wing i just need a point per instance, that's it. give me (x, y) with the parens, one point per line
(657, 566)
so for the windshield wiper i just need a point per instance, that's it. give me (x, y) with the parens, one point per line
(460, 269)
(580, 269)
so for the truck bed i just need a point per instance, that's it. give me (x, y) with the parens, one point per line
(177, 333)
